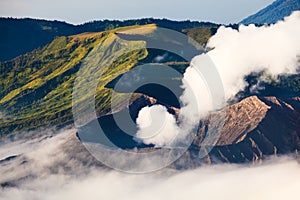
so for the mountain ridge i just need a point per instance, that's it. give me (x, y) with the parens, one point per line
(273, 13)
(20, 36)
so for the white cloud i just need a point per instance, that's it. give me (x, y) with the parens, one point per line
(272, 49)
(156, 126)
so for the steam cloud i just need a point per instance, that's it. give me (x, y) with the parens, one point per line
(167, 128)
(272, 50)
(276, 179)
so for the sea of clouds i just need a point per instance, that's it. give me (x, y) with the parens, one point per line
(277, 178)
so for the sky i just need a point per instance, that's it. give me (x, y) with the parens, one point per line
(80, 11)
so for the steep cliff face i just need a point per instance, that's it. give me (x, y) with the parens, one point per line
(239, 119)
(255, 128)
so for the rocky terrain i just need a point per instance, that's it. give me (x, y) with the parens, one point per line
(256, 128)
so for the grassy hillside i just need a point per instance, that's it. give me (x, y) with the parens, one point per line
(36, 88)
(201, 34)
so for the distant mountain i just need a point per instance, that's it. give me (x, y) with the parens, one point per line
(274, 12)
(20, 36)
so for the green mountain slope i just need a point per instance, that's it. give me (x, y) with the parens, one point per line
(36, 89)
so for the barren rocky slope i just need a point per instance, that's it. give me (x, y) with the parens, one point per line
(255, 128)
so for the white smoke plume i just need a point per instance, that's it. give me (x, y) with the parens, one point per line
(164, 120)
(273, 50)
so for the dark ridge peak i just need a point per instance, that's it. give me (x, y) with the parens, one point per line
(274, 12)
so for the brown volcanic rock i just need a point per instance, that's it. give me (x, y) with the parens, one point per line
(239, 119)
(255, 128)
(282, 124)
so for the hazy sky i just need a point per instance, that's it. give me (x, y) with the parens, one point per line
(79, 11)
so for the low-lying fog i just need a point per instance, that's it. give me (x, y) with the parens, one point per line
(46, 168)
